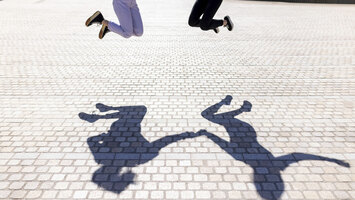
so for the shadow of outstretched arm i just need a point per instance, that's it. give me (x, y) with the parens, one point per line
(296, 157)
(223, 144)
(165, 141)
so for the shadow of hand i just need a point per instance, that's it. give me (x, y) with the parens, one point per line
(342, 163)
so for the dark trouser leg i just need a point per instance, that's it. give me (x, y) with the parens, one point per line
(196, 12)
(207, 21)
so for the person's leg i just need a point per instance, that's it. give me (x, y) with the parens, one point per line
(207, 21)
(123, 12)
(137, 20)
(196, 12)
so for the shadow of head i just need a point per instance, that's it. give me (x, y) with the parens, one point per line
(113, 178)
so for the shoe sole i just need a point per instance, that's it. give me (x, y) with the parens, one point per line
(231, 23)
(87, 23)
(101, 34)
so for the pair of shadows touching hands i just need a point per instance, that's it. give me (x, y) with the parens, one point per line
(125, 146)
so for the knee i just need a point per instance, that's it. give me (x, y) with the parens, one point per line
(205, 25)
(192, 22)
(138, 33)
(127, 34)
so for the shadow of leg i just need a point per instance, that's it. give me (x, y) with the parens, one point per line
(88, 117)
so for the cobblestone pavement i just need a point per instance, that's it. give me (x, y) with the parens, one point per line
(293, 62)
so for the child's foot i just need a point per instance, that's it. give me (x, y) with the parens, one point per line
(216, 30)
(229, 23)
(95, 18)
(103, 31)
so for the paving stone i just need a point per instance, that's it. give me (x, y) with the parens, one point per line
(187, 195)
(4, 194)
(49, 194)
(80, 194)
(172, 195)
(64, 194)
(18, 194)
(34, 194)
(157, 195)
(142, 195)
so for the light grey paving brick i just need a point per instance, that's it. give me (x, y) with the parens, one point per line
(326, 195)
(4, 194)
(142, 195)
(188, 195)
(234, 195)
(64, 194)
(34, 194)
(157, 195)
(80, 194)
(172, 194)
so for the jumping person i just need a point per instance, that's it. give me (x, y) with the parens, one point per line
(208, 9)
(128, 15)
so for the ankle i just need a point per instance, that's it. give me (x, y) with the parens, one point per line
(225, 22)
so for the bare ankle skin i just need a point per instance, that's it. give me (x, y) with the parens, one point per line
(224, 22)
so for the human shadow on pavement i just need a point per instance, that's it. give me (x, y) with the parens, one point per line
(123, 146)
(243, 146)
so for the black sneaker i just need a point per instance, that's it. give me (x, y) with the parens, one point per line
(103, 31)
(95, 18)
(229, 23)
(216, 30)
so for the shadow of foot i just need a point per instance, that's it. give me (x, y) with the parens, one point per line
(88, 117)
